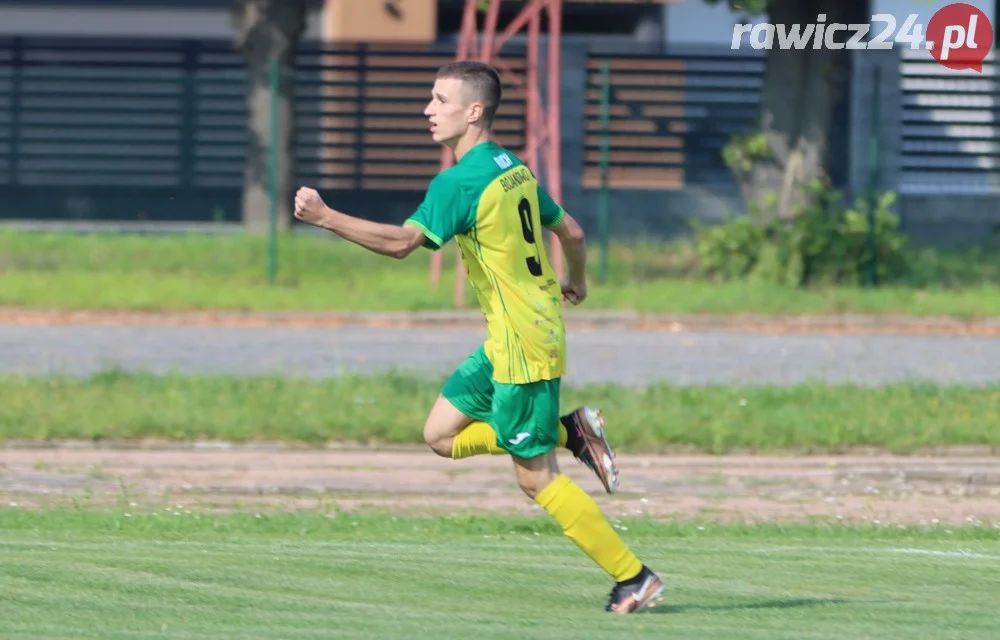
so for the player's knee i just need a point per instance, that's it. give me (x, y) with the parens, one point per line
(535, 474)
(441, 447)
(531, 485)
(438, 444)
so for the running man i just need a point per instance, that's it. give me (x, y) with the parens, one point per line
(504, 399)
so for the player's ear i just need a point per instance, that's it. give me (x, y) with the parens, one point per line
(476, 111)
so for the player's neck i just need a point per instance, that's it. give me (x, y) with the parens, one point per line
(472, 138)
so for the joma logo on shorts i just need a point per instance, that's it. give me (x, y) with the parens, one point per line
(519, 438)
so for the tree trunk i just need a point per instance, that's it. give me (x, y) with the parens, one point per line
(256, 178)
(269, 30)
(801, 90)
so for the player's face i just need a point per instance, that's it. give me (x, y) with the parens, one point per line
(449, 111)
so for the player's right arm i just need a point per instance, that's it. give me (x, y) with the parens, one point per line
(573, 242)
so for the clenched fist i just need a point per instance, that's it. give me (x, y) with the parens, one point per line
(309, 206)
(575, 293)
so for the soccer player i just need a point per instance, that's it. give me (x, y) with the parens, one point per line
(504, 398)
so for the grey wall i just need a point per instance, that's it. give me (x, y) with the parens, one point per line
(951, 220)
(71, 21)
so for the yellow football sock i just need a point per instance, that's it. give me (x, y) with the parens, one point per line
(479, 438)
(583, 523)
(476, 439)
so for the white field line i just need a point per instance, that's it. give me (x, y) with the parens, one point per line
(510, 545)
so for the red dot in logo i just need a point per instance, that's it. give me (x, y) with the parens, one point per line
(962, 36)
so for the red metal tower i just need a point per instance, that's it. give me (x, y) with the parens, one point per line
(542, 133)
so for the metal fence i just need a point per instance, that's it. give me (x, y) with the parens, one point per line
(670, 117)
(950, 127)
(142, 130)
(156, 130)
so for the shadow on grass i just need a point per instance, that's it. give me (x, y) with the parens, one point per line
(768, 604)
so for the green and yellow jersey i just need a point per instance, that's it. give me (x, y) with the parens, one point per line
(493, 206)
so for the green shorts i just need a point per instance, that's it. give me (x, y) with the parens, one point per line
(525, 416)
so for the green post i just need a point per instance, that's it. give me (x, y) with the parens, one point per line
(602, 201)
(873, 176)
(272, 171)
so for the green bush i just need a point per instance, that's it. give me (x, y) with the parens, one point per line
(826, 242)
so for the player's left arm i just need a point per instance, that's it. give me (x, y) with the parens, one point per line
(390, 240)
(573, 243)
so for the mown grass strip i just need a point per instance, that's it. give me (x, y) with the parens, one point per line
(184, 272)
(391, 408)
(195, 575)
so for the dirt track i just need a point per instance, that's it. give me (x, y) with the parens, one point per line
(883, 489)
(577, 320)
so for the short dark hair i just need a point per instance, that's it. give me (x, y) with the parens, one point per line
(482, 78)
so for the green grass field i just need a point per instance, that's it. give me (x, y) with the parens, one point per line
(176, 574)
(392, 408)
(322, 273)
(158, 570)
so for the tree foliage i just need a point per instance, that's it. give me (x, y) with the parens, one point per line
(751, 7)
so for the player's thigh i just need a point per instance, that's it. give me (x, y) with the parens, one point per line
(466, 397)
(526, 417)
(444, 421)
